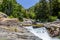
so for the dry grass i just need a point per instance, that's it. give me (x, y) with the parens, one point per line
(13, 29)
(38, 25)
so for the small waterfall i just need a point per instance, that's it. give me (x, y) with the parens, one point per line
(39, 32)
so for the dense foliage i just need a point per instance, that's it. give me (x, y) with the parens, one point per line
(42, 11)
(47, 10)
(12, 9)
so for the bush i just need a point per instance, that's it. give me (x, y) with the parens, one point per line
(32, 15)
(52, 18)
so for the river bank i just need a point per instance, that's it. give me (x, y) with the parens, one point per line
(13, 29)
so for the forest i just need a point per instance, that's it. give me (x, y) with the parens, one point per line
(44, 11)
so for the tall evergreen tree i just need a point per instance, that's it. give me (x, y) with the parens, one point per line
(55, 7)
(50, 7)
(12, 8)
(41, 10)
(7, 7)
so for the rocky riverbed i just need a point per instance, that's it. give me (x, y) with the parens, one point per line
(10, 29)
(8, 35)
(15, 32)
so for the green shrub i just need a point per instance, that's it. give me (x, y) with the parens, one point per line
(52, 18)
(32, 15)
(10, 16)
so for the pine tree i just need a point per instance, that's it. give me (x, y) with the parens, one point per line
(55, 7)
(41, 10)
(7, 7)
(50, 7)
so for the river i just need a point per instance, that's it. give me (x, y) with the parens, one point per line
(41, 33)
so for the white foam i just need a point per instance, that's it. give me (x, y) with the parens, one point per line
(39, 32)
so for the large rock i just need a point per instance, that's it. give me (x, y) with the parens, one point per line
(26, 35)
(27, 21)
(9, 22)
(2, 15)
(53, 28)
(10, 29)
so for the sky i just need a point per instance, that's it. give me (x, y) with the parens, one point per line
(27, 3)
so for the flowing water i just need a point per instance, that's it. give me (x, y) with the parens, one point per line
(41, 33)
